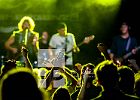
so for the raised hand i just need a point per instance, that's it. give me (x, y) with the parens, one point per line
(24, 51)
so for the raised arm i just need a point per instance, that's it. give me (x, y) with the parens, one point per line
(26, 58)
(69, 76)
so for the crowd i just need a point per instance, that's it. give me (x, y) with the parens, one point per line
(105, 81)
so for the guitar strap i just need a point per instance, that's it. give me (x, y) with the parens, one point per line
(128, 44)
(66, 42)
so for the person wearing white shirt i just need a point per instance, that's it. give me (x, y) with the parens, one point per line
(66, 41)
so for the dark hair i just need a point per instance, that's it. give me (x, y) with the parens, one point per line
(125, 23)
(137, 84)
(106, 73)
(61, 94)
(20, 84)
(89, 65)
(61, 25)
(126, 82)
(91, 76)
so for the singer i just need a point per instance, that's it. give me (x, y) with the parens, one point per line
(26, 37)
(64, 40)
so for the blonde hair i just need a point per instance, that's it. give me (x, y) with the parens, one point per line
(30, 20)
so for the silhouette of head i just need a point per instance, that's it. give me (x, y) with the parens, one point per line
(126, 82)
(61, 94)
(20, 84)
(106, 74)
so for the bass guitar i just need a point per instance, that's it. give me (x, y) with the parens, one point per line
(121, 60)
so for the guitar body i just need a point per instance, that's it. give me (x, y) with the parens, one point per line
(119, 60)
(65, 54)
(133, 65)
(16, 56)
(11, 55)
(125, 59)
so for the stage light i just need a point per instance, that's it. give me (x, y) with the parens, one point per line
(108, 2)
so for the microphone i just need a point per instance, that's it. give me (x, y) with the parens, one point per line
(26, 34)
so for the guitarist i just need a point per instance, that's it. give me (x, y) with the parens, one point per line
(64, 40)
(25, 36)
(123, 44)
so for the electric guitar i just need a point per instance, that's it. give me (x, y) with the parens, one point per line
(61, 55)
(85, 41)
(120, 60)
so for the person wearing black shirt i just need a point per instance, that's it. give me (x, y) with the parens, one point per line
(122, 45)
(25, 36)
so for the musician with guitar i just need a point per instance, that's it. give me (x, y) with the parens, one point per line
(123, 47)
(66, 41)
(25, 36)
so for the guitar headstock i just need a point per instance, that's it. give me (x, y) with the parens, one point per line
(88, 39)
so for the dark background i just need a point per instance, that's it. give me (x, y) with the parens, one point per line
(83, 18)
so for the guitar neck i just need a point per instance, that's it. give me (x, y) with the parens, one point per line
(127, 55)
(78, 45)
(85, 41)
(130, 53)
